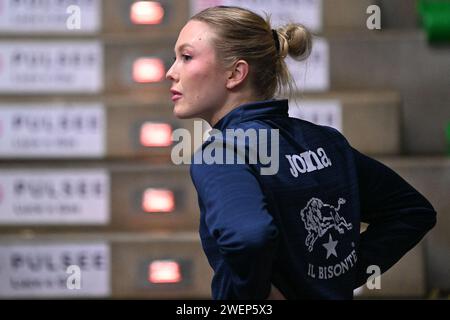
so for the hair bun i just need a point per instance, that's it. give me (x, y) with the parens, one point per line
(295, 40)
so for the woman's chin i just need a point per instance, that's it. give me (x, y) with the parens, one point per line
(179, 113)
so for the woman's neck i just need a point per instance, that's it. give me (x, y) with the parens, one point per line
(232, 103)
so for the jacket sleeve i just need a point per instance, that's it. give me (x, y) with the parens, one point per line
(237, 217)
(398, 216)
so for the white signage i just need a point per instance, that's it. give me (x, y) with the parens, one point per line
(50, 16)
(54, 197)
(51, 67)
(55, 270)
(52, 130)
(307, 12)
(321, 112)
(313, 74)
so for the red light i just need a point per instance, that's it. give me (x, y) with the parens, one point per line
(146, 12)
(158, 200)
(147, 70)
(164, 271)
(156, 134)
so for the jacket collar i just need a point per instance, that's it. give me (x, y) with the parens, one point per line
(253, 110)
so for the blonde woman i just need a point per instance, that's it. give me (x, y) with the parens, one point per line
(293, 233)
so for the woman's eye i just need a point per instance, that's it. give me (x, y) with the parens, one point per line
(186, 57)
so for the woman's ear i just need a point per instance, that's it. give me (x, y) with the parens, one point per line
(237, 74)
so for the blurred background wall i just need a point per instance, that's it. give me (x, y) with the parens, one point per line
(86, 177)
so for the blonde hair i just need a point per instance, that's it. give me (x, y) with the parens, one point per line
(243, 34)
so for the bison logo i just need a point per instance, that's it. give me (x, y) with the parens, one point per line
(319, 217)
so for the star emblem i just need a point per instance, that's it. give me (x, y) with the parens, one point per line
(330, 246)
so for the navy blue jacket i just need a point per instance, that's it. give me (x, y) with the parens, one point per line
(299, 229)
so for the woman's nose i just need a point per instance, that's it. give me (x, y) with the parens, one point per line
(170, 74)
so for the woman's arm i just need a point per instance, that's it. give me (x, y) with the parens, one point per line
(397, 214)
(237, 217)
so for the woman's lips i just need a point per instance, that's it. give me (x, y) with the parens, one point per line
(176, 97)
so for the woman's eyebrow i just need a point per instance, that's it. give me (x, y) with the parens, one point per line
(184, 45)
